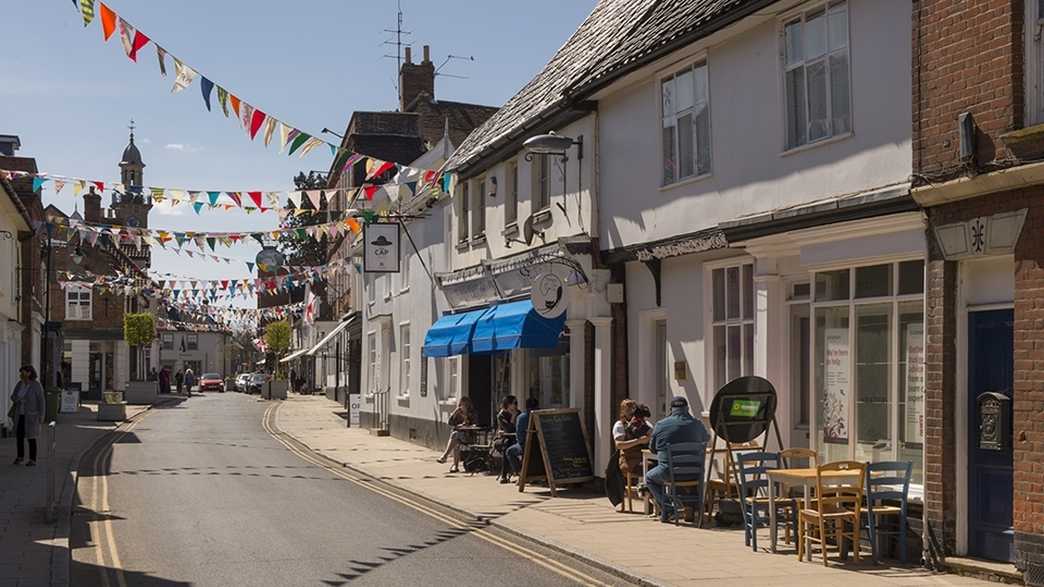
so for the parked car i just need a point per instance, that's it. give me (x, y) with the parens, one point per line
(242, 382)
(257, 382)
(211, 382)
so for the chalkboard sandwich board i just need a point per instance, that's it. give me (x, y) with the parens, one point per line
(556, 450)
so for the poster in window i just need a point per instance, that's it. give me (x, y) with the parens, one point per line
(914, 421)
(837, 384)
(381, 247)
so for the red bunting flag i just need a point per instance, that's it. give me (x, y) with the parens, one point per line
(370, 190)
(379, 169)
(255, 124)
(108, 20)
(101, 185)
(256, 197)
(140, 40)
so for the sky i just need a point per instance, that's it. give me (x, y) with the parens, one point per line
(69, 96)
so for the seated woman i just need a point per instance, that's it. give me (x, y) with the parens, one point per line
(463, 415)
(631, 433)
(505, 434)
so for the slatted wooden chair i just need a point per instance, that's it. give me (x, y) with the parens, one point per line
(809, 457)
(685, 468)
(839, 499)
(751, 471)
(887, 484)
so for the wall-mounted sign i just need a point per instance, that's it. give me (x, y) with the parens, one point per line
(681, 370)
(548, 295)
(381, 245)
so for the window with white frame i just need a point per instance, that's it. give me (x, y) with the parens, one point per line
(686, 123)
(404, 271)
(371, 353)
(511, 198)
(449, 378)
(868, 363)
(478, 218)
(732, 324)
(541, 182)
(192, 342)
(404, 360)
(78, 302)
(386, 285)
(816, 78)
(370, 284)
(465, 210)
(167, 341)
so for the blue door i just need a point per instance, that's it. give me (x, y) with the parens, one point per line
(990, 481)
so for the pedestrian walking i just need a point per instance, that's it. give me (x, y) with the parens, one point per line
(164, 380)
(190, 380)
(179, 379)
(27, 410)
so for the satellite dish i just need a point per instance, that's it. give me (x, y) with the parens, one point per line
(528, 231)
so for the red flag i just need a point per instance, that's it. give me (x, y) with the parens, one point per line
(108, 19)
(255, 123)
(101, 185)
(224, 284)
(370, 190)
(256, 197)
(140, 40)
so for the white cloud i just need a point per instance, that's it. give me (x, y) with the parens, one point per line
(183, 147)
(168, 210)
(146, 141)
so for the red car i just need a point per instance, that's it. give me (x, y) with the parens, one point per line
(211, 382)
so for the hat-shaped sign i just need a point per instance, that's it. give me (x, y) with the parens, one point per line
(381, 244)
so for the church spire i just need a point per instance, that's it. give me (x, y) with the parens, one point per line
(131, 165)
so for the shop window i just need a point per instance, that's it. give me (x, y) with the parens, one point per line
(816, 74)
(404, 360)
(78, 302)
(869, 364)
(732, 326)
(548, 375)
(686, 124)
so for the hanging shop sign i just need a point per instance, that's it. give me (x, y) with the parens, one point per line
(548, 295)
(381, 247)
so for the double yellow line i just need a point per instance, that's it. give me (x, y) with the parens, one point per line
(267, 423)
(102, 535)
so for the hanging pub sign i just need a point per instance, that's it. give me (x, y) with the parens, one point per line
(548, 295)
(381, 245)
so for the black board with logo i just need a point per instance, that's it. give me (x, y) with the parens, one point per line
(556, 450)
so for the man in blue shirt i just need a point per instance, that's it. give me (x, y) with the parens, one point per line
(515, 451)
(677, 428)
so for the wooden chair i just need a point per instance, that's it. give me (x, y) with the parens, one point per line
(886, 484)
(685, 467)
(838, 503)
(808, 455)
(751, 471)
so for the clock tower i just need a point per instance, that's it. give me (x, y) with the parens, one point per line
(131, 208)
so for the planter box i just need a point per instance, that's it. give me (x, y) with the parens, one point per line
(1025, 143)
(112, 412)
(276, 389)
(141, 393)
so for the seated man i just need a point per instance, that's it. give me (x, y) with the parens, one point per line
(677, 428)
(515, 451)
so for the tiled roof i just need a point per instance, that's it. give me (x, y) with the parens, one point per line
(617, 36)
(603, 29)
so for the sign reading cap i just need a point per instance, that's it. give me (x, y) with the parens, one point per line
(548, 295)
(381, 247)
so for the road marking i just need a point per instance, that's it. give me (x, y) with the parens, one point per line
(267, 423)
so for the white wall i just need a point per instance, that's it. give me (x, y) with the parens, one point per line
(749, 172)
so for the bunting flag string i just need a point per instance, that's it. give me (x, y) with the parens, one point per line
(250, 116)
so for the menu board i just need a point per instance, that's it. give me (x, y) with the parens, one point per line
(914, 420)
(556, 449)
(836, 384)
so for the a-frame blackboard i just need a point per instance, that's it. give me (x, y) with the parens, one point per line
(556, 450)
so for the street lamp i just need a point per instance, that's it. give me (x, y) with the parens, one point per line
(558, 145)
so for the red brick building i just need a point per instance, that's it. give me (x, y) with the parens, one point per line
(978, 105)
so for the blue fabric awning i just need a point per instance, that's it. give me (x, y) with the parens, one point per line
(515, 325)
(451, 334)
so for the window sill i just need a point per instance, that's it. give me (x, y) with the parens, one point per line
(542, 216)
(478, 240)
(403, 400)
(510, 229)
(819, 143)
(686, 181)
(448, 403)
(404, 290)
(462, 246)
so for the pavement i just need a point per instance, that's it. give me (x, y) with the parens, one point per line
(583, 525)
(34, 546)
(203, 494)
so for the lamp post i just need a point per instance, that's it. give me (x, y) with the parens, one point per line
(558, 145)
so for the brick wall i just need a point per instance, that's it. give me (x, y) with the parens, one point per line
(1028, 429)
(967, 58)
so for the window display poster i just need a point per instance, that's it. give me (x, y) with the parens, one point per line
(914, 421)
(837, 384)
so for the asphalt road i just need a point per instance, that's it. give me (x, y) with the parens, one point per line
(200, 493)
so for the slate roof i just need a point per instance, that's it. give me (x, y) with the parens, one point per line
(618, 36)
(603, 29)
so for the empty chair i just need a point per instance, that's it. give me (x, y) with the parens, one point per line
(839, 497)
(685, 468)
(793, 458)
(753, 482)
(887, 489)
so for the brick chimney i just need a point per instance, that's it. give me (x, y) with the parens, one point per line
(92, 206)
(416, 78)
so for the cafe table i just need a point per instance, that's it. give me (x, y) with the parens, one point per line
(786, 478)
